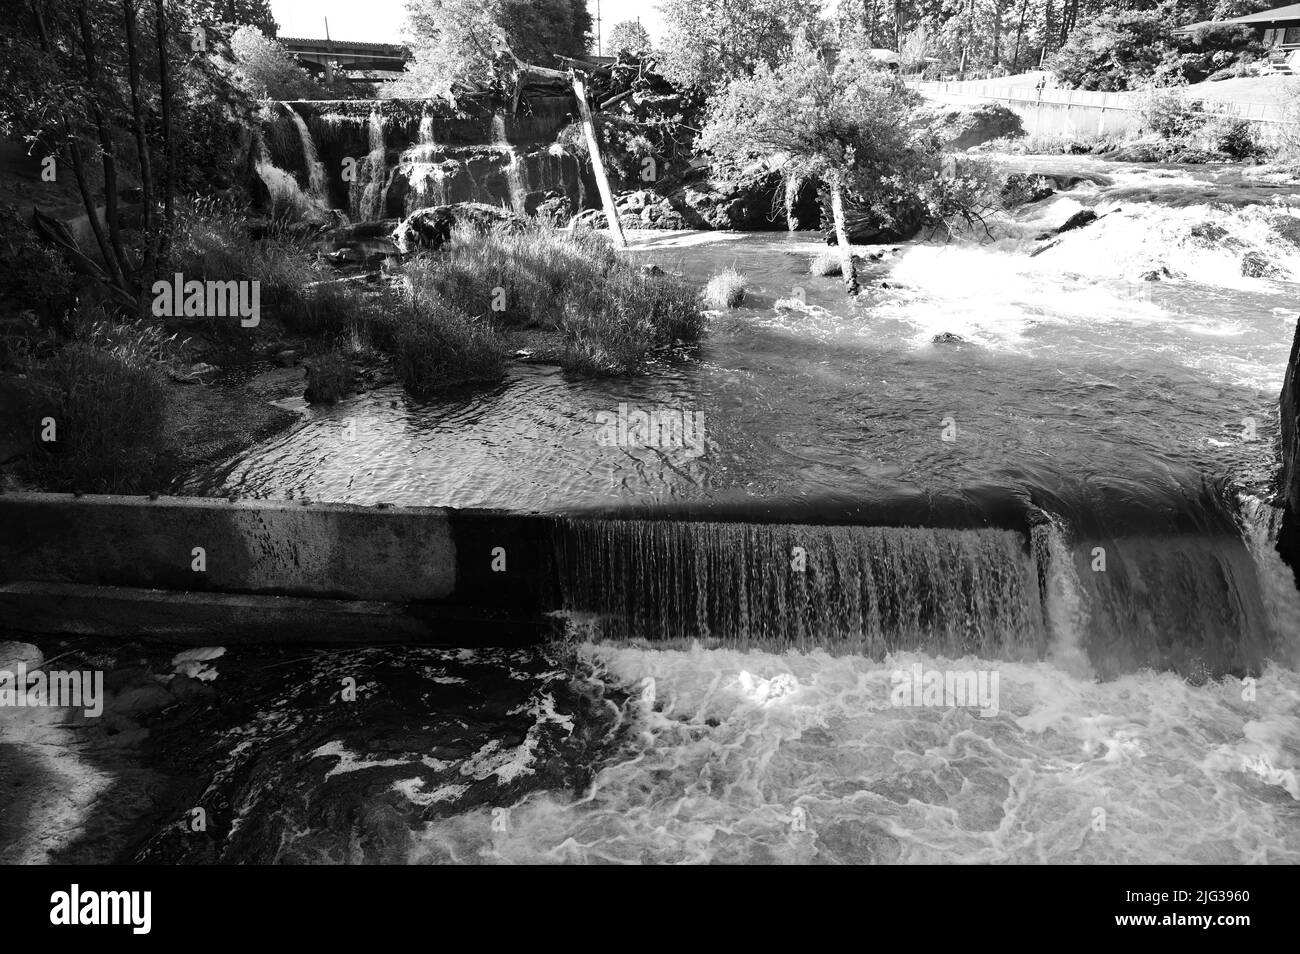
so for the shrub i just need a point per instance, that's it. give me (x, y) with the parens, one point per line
(1170, 114)
(610, 314)
(217, 245)
(109, 417)
(825, 263)
(329, 376)
(438, 348)
(725, 289)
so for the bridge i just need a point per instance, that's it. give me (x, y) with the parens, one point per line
(347, 56)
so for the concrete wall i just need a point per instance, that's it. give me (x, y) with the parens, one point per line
(249, 546)
(1084, 114)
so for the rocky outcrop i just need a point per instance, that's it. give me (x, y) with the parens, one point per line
(429, 229)
(754, 202)
(961, 127)
(1255, 264)
(1288, 544)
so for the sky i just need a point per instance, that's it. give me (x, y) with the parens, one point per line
(379, 21)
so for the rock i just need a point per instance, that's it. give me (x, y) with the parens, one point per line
(948, 337)
(1160, 273)
(141, 699)
(961, 127)
(651, 269)
(286, 358)
(1077, 221)
(188, 689)
(14, 654)
(200, 373)
(554, 208)
(1258, 265)
(428, 229)
(754, 201)
(1208, 232)
(1287, 227)
(1021, 188)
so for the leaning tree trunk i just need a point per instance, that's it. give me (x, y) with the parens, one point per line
(122, 264)
(847, 268)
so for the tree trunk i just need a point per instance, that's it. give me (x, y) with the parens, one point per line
(997, 34)
(598, 164)
(169, 151)
(75, 160)
(847, 268)
(142, 147)
(1020, 33)
(122, 264)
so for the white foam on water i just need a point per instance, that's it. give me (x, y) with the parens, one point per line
(1142, 769)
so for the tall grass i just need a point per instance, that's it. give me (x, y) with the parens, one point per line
(217, 245)
(610, 314)
(109, 406)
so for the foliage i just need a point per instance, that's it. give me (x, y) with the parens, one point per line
(266, 70)
(609, 314)
(708, 43)
(109, 409)
(725, 289)
(453, 41)
(32, 277)
(627, 36)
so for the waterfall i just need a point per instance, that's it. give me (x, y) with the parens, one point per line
(426, 176)
(374, 198)
(286, 196)
(317, 187)
(513, 166)
(1192, 602)
(868, 590)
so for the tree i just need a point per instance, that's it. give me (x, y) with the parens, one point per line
(268, 71)
(628, 36)
(708, 43)
(453, 41)
(850, 126)
(256, 13)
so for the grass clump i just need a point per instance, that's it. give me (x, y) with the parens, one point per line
(108, 410)
(725, 289)
(609, 313)
(825, 263)
(330, 376)
(218, 246)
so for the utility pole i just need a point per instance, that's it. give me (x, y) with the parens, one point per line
(599, 50)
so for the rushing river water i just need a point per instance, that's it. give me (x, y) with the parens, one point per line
(1121, 384)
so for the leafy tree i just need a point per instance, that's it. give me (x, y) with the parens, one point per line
(708, 43)
(628, 36)
(454, 41)
(849, 125)
(268, 71)
(255, 13)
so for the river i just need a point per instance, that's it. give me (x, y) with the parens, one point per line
(1116, 391)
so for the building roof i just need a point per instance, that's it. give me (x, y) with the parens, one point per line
(1289, 12)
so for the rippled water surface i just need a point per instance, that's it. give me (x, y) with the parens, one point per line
(1070, 369)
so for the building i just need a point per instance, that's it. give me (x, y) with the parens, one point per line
(1278, 29)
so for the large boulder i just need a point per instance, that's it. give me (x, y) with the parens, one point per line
(961, 127)
(429, 229)
(752, 202)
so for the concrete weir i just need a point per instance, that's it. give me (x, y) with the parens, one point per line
(250, 570)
